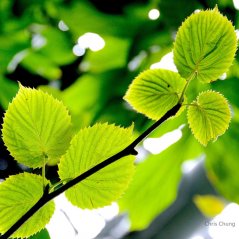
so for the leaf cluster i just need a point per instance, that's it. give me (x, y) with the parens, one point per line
(200, 43)
(37, 129)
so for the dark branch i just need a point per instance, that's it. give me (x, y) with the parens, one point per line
(129, 150)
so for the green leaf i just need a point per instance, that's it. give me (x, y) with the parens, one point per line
(205, 45)
(8, 90)
(11, 44)
(154, 92)
(156, 181)
(58, 47)
(94, 20)
(43, 234)
(209, 116)
(222, 163)
(89, 147)
(174, 12)
(39, 64)
(89, 107)
(36, 127)
(106, 59)
(17, 195)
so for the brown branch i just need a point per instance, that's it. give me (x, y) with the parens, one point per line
(129, 150)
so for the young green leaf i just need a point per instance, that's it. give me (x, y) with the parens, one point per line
(36, 127)
(154, 92)
(205, 45)
(209, 116)
(89, 147)
(17, 195)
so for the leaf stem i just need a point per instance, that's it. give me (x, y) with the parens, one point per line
(43, 173)
(47, 196)
(188, 80)
(44, 170)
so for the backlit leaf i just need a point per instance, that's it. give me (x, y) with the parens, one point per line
(209, 116)
(36, 127)
(89, 147)
(205, 45)
(154, 92)
(17, 195)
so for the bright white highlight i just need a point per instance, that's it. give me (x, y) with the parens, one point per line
(197, 11)
(165, 63)
(237, 33)
(78, 51)
(62, 26)
(16, 60)
(223, 76)
(157, 145)
(189, 165)
(236, 4)
(92, 41)
(136, 61)
(154, 14)
(77, 223)
(38, 41)
(108, 212)
(196, 237)
(226, 224)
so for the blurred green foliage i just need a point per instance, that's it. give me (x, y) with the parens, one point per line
(37, 53)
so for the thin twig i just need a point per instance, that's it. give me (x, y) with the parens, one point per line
(129, 150)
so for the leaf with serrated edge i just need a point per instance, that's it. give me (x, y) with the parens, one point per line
(205, 45)
(154, 92)
(36, 126)
(89, 147)
(209, 116)
(17, 195)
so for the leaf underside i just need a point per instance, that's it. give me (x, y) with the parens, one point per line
(154, 92)
(36, 127)
(205, 45)
(209, 116)
(89, 147)
(17, 195)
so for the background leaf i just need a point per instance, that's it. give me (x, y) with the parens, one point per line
(109, 57)
(156, 180)
(209, 116)
(89, 147)
(43, 234)
(92, 85)
(8, 90)
(36, 126)
(222, 163)
(17, 195)
(38, 64)
(154, 92)
(205, 45)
